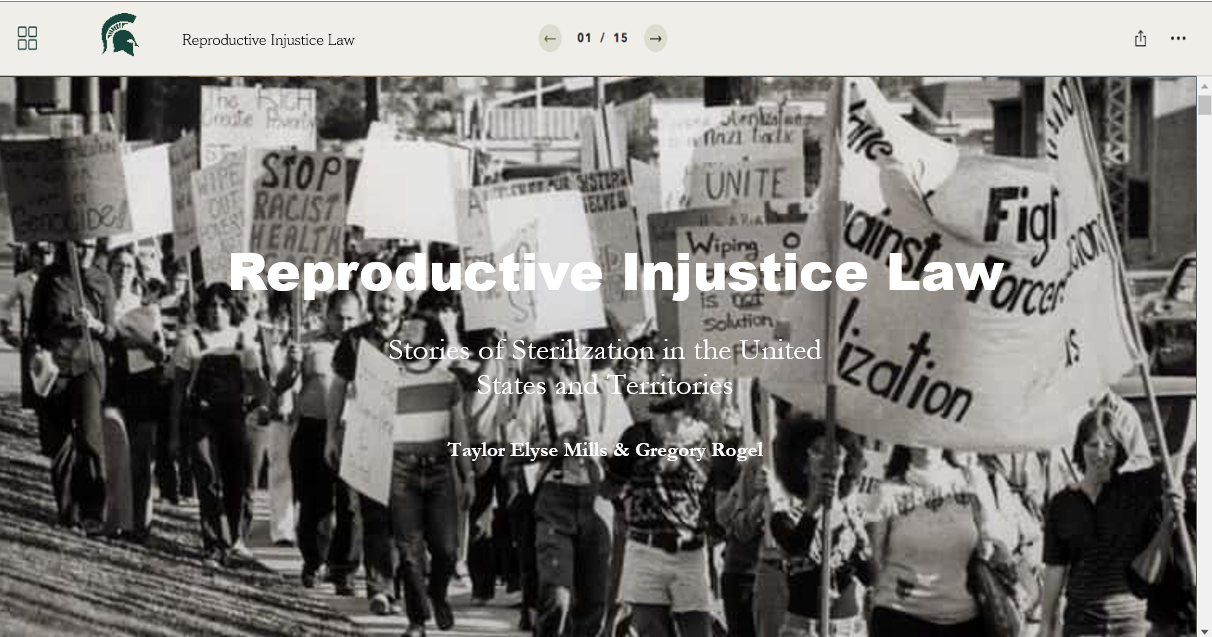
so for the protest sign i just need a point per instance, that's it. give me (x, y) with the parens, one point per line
(298, 208)
(726, 136)
(744, 322)
(366, 451)
(764, 176)
(1006, 369)
(611, 219)
(220, 194)
(551, 226)
(663, 232)
(410, 189)
(6, 218)
(66, 189)
(612, 226)
(149, 193)
(235, 117)
(182, 162)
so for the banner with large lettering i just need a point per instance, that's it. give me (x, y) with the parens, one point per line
(221, 194)
(235, 117)
(298, 208)
(66, 189)
(1006, 369)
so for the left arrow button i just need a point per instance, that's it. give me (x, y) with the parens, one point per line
(549, 38)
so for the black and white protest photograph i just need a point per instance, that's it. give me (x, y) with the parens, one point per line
(598, 356)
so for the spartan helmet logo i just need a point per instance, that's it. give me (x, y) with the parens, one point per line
(123, 40)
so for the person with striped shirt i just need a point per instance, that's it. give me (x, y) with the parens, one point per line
(423, 511)
(1096, 528)
(174, 472)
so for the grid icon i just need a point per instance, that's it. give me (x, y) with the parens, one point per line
(27, 38)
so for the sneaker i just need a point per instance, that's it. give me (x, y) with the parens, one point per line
(240, 551)
(414, 630)
(308, 576)
(213, 560)
(442, 615)
(284, 544)
(380, 604)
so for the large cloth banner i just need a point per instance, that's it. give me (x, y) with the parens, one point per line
(253, 117)
(1006, 369)
(366, 450)
(66, 189)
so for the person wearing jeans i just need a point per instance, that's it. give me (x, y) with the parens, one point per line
(318, 488)
(422, 511)
(571, 536)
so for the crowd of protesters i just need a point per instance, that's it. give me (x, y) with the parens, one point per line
(213, 387)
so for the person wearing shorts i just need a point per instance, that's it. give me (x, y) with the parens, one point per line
(665, 569)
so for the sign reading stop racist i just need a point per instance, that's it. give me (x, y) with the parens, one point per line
(299, 208)
(66, 189)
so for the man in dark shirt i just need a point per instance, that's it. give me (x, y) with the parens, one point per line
(73, 332)
(663, 478)
(425, 496)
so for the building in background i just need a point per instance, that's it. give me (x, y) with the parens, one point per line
(1146, 130)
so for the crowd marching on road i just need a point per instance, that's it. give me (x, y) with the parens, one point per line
(666, 507)
(210, 384)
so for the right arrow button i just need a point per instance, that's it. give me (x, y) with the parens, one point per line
(655, 38)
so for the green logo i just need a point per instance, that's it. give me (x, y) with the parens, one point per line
(123, 40)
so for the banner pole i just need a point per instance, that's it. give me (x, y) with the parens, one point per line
(73, 260)
(832, 212)
(1142, 366)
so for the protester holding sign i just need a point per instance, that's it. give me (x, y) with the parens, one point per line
(323, 537)
(217, 383)
(422, 509)
(68, 322)
(811, 479)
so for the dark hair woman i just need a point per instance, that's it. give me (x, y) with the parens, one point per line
(809, 476)
(217, 379)
(1094, 529)
(926, 534)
